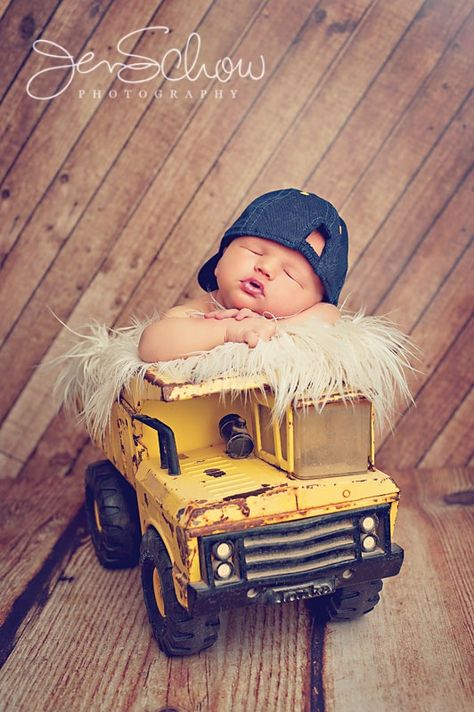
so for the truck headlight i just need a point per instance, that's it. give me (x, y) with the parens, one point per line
(369, 542)
(224, 570)
(222, 550)
(368, 524)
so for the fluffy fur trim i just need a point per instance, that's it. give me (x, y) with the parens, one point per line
(365, 354)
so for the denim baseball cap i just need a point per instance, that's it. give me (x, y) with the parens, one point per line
(288, 216)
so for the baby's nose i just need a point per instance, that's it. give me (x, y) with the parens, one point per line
(266, 267)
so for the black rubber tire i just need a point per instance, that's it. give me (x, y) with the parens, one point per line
(117, 542)
(178, 633)
(348, 603)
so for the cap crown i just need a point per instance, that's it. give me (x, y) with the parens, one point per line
(288, 216)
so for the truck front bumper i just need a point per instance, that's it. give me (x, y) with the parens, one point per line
(203, 598)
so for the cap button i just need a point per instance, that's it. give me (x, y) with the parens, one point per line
(303, 192)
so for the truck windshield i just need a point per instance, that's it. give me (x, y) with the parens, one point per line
(333, 442)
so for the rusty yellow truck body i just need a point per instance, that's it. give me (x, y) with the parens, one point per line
(305, 514)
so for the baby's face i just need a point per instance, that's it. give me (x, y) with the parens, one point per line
(263, 275)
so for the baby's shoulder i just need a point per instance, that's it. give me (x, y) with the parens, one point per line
(327, 312)
(190, 307)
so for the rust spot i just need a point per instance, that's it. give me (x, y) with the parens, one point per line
(182, 544)
(214, 472)
(243, 506)
(465, 497)
(168, 522)
(252, 493)
(229, 527)
(180, 576)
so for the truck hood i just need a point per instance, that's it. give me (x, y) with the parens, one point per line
(216, 492)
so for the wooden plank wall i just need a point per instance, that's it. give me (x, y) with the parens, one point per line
(109, 206)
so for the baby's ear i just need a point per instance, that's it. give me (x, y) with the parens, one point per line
(317, 241)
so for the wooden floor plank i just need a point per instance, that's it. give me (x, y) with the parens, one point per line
(413, 290)
(436, 402)
(94, 634)
(57, 134)
(72, 28)
(454, 445)
(88, 645)
(432, 185)
(414, 650)
(8, 466)
(19, 28)
(129, 257)
(67, 202)
(4, 5)
(37, 511)
(380, 111)
(450, 307)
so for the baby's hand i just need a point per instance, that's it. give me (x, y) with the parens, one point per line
(237, 314)
(250, 330)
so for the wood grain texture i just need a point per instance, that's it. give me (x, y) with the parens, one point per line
(109, 207)
(86, 642)
(414, 651)
(19, 28)
(94, 628)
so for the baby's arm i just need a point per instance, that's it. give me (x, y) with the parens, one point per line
(178, 335)
(327, 313)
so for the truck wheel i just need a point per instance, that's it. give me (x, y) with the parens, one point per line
(177, 632)
(112, 516)
(347, 603)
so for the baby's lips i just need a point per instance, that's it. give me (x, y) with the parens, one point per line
(250, 286)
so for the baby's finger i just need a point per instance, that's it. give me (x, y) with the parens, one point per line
(221, 313)
(245, 313)
(251, 338)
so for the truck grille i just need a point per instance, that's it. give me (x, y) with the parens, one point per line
(303, 546)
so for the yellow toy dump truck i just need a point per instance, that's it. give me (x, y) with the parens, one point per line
(222, 507)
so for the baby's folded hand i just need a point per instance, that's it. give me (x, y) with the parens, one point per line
(237, 314)
(250, 331)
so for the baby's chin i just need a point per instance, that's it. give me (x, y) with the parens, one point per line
(242, 300)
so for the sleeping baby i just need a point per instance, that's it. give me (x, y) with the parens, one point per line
(285, 258)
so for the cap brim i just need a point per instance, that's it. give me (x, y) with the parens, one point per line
(206, 277)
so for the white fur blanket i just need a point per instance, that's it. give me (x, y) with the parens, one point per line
(365, 354)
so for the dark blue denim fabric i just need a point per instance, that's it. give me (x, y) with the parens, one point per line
(287, 216)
